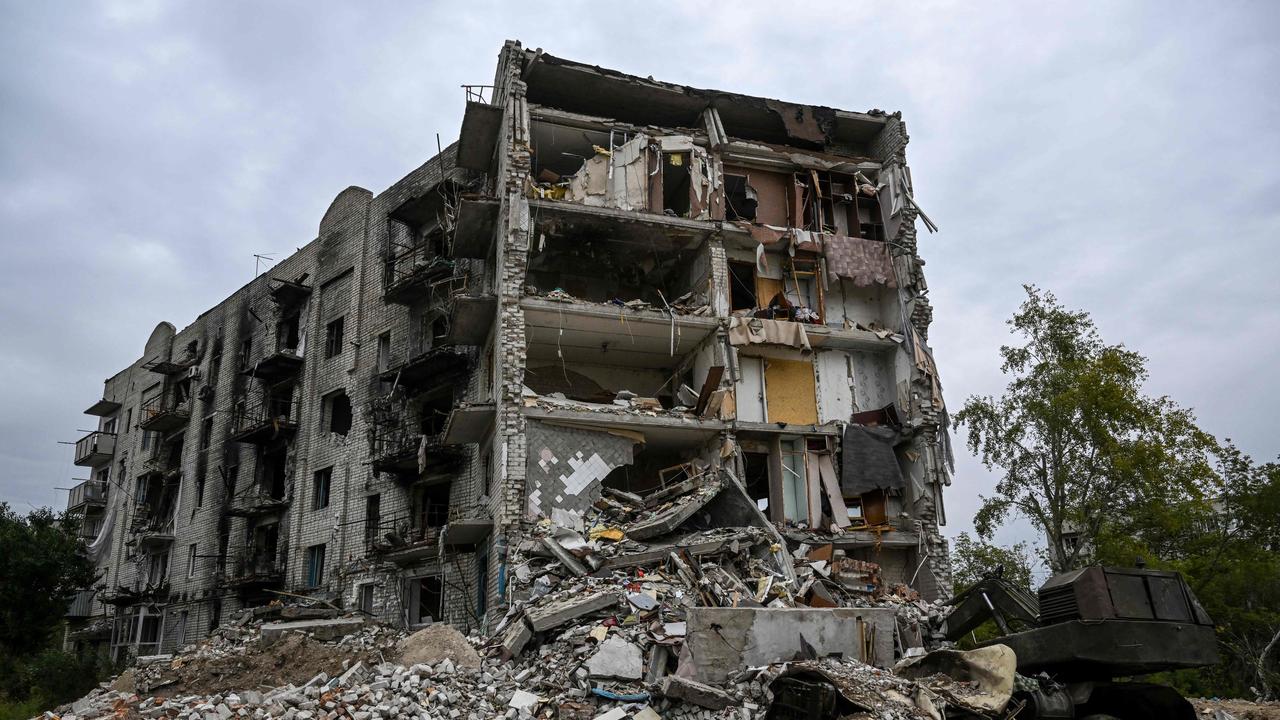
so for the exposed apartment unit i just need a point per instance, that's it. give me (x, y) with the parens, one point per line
(608, 285)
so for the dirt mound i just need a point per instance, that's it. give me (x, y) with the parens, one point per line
(438, 642)
(1238, 709)
(294, 659)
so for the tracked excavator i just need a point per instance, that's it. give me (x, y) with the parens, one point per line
(1087, 629)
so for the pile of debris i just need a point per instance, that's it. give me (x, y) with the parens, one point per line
(682, 603)
(587, 668)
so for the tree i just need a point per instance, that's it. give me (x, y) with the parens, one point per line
(1078, 445)
(971, 558)
(1227, 547)
(42, 563)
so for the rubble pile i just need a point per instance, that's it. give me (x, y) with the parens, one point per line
(681, 603)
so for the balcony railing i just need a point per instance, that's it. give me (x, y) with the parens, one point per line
(271, 419)
(246, 566)
(285, 362)
(89, 492)
(95, 448)
(411, 273)
(165, 413)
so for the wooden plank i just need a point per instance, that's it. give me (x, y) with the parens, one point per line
(714, 374)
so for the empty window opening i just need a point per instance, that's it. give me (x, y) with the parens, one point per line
(287, 334)
(742, 286)
(384, 351)
(320, 488)
(315, 565)
(430, 506)
(333, 338)
(366, 598)
(272, 475)
(740, 198)
(337, 413)
(372, 517)
(191, 560)
(434, 413)
(675, 184)
(756, 469)
(426, 600)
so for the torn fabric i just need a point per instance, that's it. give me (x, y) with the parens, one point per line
(869, 462)
(758, 331)
(865, 262)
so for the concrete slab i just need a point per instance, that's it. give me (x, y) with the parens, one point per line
(323, 629)
(769, 635)
(559, 613)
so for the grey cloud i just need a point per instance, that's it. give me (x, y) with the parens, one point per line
(1123, 155)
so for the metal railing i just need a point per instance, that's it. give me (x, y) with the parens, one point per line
(158, 407)
(279, 412)
(247, 564)
(95, 448)
(89, 491)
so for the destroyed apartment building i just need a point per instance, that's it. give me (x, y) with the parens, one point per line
(619, 327)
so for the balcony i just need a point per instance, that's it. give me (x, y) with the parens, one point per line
(165, 413)
(280, 365)
(95, 449)
(247, 568)
(405, 539)
(151, 529)
(87, 493)
(265, 422)
(256, 504)
(429, 368)
(286, 293)
(411, 273)
(397, 452)
(103, 408)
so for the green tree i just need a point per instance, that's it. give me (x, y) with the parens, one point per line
(42, 563)
(1077, 443)
(971, 558)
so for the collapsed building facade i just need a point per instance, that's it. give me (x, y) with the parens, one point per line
(610, 293)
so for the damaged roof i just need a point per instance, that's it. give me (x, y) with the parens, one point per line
(593, 90)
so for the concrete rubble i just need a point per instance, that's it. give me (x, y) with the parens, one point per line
(609, 627)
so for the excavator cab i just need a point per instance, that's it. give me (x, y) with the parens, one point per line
(1085, 628)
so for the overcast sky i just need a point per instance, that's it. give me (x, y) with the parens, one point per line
(1124, 155)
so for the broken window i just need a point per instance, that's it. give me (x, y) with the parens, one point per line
(372, 517)
(426, 599)
(287, 335)
(756, 470)
(191, 560)
(271, 472)
(430, 506)
(739, 198)
(384, 351)
(315, 565)
(675, 184)
(336, 413)
(320, 488)
(742, 286)
(366, 598)
(333, 338)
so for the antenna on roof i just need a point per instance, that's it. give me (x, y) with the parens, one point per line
(259, 259)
